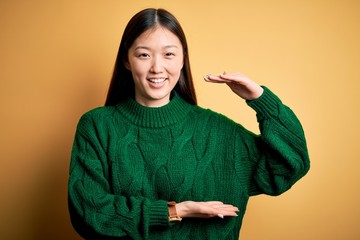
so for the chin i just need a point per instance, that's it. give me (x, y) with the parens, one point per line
(162, 100)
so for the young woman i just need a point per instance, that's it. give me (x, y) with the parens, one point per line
(151, 164)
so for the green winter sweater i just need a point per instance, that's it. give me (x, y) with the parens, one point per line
(128, 161)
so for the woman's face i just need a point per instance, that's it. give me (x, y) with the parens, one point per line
(155, 60)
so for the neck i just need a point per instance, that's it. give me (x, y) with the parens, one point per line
(155, 117)
(152, 103)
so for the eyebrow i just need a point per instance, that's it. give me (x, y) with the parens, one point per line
(147, 48)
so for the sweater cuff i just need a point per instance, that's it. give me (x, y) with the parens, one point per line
(267, 105)
(158, 214)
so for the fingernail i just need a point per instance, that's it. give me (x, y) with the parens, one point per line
(220, 216)
(207, 76)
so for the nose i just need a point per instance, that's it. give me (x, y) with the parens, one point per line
(157, 65)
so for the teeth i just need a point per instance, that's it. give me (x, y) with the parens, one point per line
(157, 80)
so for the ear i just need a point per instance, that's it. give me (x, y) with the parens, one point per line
(126, 64)
(183, 61)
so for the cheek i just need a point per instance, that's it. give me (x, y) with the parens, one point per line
(138, 69)
(175, 67)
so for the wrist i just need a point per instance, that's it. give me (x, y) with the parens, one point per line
(173, 213)
(256, 94)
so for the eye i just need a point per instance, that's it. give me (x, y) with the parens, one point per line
(143, 55)
(169, 54)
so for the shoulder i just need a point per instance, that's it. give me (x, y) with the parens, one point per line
(98, 115)
(212, 117)
(100, 112)
(218, 123)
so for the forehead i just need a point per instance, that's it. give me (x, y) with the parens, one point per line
(157, 36)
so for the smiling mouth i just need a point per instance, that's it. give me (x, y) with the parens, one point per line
(156, 80)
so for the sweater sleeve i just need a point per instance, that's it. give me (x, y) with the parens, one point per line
(96, 212)
(278, 157)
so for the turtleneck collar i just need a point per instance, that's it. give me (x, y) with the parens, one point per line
(154, 117)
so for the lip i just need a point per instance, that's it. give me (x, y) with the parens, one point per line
(157, 79)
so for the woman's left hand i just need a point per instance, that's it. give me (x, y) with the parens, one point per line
(239, 84)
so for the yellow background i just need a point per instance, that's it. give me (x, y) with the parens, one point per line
(56, 59)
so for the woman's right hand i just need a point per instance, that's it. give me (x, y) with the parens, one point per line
(209, 209)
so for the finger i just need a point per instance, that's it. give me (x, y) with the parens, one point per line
(228, 207)
(221, 205)
(215, 79)
(222, 209)
(228, 211)
(231, 77)
(213, 202)
(214, 208)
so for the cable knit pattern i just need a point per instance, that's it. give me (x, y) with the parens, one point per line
(128, 161)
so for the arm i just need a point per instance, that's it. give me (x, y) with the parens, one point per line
(94, 209)
(280, 153)
(97, 213)
(278, 157)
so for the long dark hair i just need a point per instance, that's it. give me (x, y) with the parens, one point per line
(122, 84)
